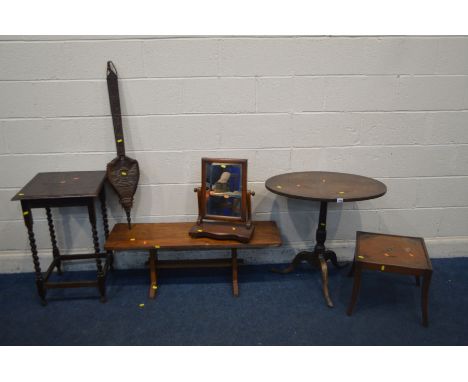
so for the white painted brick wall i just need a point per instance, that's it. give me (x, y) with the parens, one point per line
(393, 108)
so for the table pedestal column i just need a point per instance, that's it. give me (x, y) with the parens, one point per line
(319, 256)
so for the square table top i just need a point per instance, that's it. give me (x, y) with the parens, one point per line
(175, 236)
(58, 185)
(392, 250)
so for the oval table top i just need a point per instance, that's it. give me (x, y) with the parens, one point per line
(325, 186)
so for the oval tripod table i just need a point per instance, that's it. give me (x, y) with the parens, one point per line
(323, 187)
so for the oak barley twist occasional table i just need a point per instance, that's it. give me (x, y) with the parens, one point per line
(66, 189)
(323, 187)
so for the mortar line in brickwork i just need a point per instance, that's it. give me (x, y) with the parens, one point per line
(121, 218)
(234, 149)
(56, 39)
(150, 151)
(240, 76)
(236, 113)
(145, 38)
(146, 115)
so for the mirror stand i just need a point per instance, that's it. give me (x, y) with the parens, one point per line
(223, 230)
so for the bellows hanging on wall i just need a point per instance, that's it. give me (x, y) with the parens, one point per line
(123, 172)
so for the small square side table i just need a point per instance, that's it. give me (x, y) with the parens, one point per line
(66, 189)
(391, 253)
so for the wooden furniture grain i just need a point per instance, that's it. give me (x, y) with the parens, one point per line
(323, 187)
(156, 237)
(230, 223)
(66, 189)
(392, 253)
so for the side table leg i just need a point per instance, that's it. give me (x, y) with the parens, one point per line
(235, 284)
(322, 255)
(300, 257)
(102, 199)
(425, 297)
(100, 273)
(331, 255)
(53, 239)
(356, 287)
(324, 270)
(153, 259)
(28, 221)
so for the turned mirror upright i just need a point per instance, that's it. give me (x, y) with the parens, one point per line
(224, 203)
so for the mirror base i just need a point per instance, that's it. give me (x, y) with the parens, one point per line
(223, 231)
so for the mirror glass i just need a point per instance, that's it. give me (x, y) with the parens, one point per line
(223, 189)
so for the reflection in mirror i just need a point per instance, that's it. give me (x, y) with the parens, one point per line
(224, 189)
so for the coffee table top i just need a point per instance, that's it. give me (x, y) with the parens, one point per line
(175, 236)
(325, 186)
(58, 185)
(392, 250)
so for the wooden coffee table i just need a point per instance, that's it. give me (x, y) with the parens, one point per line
(323, 187)
(155, 237)
(395, 254)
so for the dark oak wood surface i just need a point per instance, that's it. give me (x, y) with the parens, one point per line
(175, 236)
(325, 186)
(388, 250)
(395, 254)
(223, 231)
(66, 189)
(56, 185)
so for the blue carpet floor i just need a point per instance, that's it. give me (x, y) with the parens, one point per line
(196, 307)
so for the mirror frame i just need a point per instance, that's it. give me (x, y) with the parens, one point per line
(203, 190)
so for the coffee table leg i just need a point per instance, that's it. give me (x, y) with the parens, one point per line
(28, 221)
(235, 284)
(425, 297)
(356, 287)
(153, 258)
